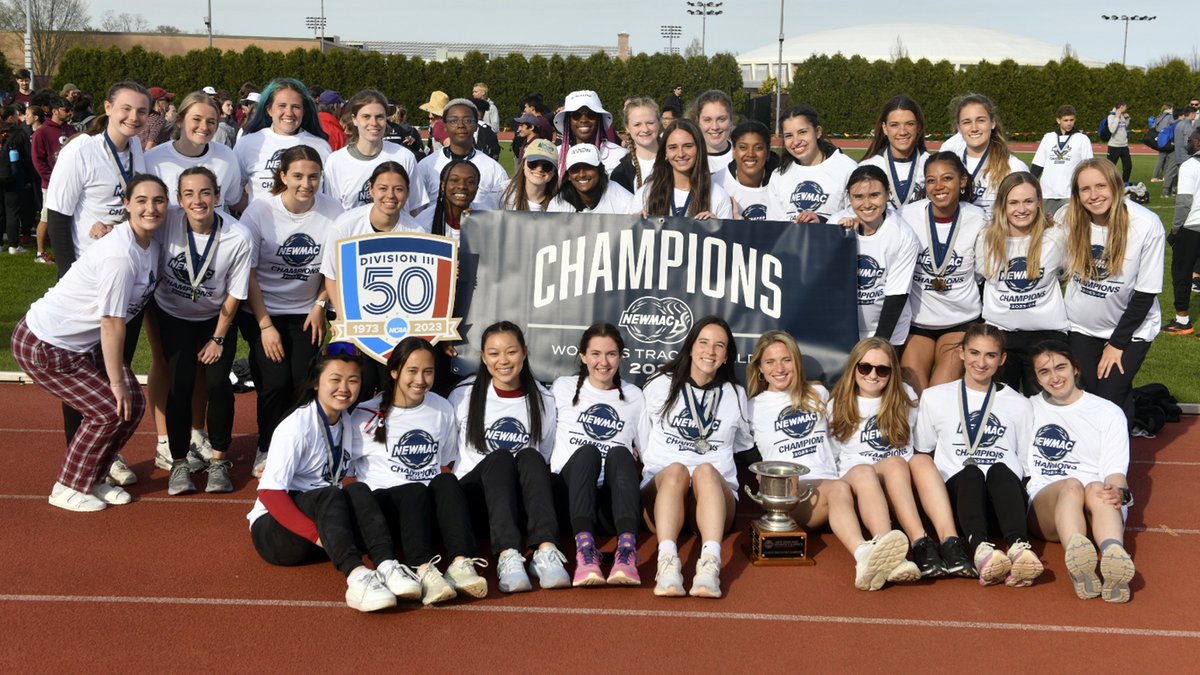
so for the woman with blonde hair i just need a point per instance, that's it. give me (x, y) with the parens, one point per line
(643, 125)
(986, 155)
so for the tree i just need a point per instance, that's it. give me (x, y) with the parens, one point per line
(53, 21)
(111, 22)
(695, 48)
(898, 50)
(167, 29)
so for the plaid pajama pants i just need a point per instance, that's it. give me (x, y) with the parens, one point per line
(78, 378)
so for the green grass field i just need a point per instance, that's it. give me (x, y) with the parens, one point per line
(1173, 360)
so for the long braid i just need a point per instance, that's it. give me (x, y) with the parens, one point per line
(617, 382)
(637, 167)
(385, 406)
(579, 382)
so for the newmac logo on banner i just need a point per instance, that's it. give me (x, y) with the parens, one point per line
(391, 286)
(556, 274)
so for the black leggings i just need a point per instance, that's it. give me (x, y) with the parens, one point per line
(1118, 386)
(277, 384)
(1121, 155)
(616, 505)
(1017, 371)
(1185, 253)
(348, 520)
(500, 486)
(410, 508)
(181, 341)
(999, 495)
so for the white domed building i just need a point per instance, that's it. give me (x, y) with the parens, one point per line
(960, 45)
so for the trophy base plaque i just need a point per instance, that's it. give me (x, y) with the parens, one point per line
(778, 548)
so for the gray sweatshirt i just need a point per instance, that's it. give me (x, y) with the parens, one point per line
(1119, 126)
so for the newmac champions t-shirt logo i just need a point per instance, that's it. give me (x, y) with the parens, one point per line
(1053, 442)
(506, 433)
(795, 423)
(601, 422)
(873, 437)
(415, 450)
(298, 250)
(276, 160)
(869, 272)
(662, 320)
(1016, 277)
(809, 196)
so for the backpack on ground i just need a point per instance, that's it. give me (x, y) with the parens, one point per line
(1153, 407)
(1104, 132)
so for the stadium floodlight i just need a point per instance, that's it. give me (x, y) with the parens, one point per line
(671, 34)
(1126, 18)
(704, 10)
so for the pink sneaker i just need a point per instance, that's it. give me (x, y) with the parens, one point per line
(624, 570)
(587, 567)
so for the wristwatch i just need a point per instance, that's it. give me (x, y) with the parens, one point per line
(220, 341)
(323, 304)
(1126, 496)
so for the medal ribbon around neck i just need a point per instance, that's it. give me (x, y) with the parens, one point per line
(333, 452)
(902, 189)
(982, 161)
(941, 252)
(125, 175)
(703, 413)
(680, 211)
(973, 433)
(195, 260)
(1062, 143)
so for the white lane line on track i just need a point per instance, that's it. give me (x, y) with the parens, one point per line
(593, 612)
(171, 500)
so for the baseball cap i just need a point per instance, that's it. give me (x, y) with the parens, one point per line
(158, 92)
(211, 91)
(527, 118)
(541, 149)
(331, 97)
(252, 97)
(583, 153)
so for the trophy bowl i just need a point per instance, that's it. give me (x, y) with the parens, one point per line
(778, 493)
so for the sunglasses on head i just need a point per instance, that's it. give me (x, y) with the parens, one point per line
(541, 165)
(340, 349)
(865, 369)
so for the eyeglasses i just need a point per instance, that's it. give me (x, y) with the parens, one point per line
(540, 165)
(340, 349)
(865, 369)
(460, 121)
(582, 113)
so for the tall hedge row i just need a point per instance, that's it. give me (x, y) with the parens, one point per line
(849, 92)
(408, 80)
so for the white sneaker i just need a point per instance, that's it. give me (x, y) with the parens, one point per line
(260, 463)
(400, 580)
(111, 494)
(876, 558)
(548, 567)
(707, 582)
(669, 579)
(510, 571)
(434, 588)
(462, 576)
(119, 472)
(73, 500)
(162, 455)
(366, 592)
(201, 451)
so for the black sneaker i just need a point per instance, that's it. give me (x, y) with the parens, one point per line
(956, 560)
(1196, 285)
(925, 555)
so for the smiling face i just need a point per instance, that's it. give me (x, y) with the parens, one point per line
(750, 153)
(147, 206)
(583, 123)
(286, 111)
(302, 178)
(778, 368)
(900, 127)
(462, 184)
(975, 125)
(681, 151)
(873, 383)
(337, 388)
(1095, 193)
(603, 360)
(1056, 375)
(199, 123)
(982, 357)
(715, 122)
(800, 139)
(709, 353)
(643, 127)
(126, 113)
(389, 192)
(371, 122)
(461, 121)
(538, 172)
(504, 357)
(1021, 208)
(869, 200)
(413, 379)
(584, 177)
(197, 196)
(944, 185)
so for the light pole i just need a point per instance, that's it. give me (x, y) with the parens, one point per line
(29, 40)
(1126, 18)
(208, 23)
(671, 34)
(705, 10)
(317, 23)
(779, 74)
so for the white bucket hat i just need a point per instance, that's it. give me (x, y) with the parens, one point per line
(584, 98)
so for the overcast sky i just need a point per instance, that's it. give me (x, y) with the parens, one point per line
(743, 26)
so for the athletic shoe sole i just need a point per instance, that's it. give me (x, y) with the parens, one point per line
(905, 571)
(1024, 570)
(593, 578)
(705, 591)
(447, 593)
(1117, 568)
(888, 552)
(1177, 329)
(671, 590)
(1081, 566)
(475, 589)
(620, 578)
(995, 569)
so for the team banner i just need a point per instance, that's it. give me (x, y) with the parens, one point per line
(394, 285)
(555, 275)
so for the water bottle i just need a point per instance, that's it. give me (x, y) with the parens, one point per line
(14, 156)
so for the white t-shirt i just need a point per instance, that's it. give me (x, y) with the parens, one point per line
(116, 278)
(299, 459)
(509, 204)
(1094, 307)
(820, 188)
(719, 161)
(610, 156)
(647, 167)
(87, 186)
(355, 222)
(886, 261)
(492, 178)
(1010, 300)
(615, 199)
(286, 251)
(867, 445)
(905, 173)
(600, 418)
(751, 201)
(1058, 156)
(719, 203)
(347, 178)
(420, 441)
(959, 302)
(167, 163)
(985, 192)
(1189, 184)
(259, 154)
(670, 440)
(1087, 440)
(228, 273)
(1006, 435)
(505, 423)
(789, 434)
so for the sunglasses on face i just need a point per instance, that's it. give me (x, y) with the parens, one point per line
(541, 165)
(865, 369)
(583, 113)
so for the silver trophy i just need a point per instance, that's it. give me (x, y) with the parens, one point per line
(778, 493)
